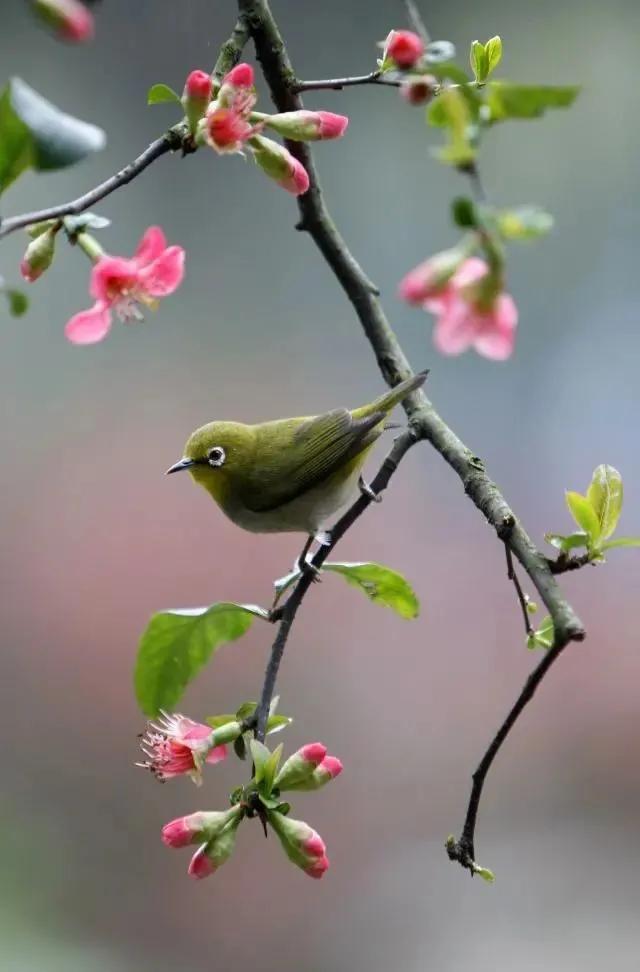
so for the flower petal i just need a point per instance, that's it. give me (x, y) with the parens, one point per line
(150, 246)
(456, 328)
(165, 274)
(497, 339)
(469, 272)
(216, 755)
(90, 326)
(112, 275)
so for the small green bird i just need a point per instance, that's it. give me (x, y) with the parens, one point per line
(289, 475)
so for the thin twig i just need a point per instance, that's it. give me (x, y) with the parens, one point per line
(336, 84)
(522, 597)
(288, 611)
(176, 138)
(416, 20)
(463, 850)
(424, 420)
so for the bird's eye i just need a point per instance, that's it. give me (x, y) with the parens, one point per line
(216, 456)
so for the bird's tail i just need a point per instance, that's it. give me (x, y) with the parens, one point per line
(397, 394)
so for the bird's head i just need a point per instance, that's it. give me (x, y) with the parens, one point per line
(217, 453)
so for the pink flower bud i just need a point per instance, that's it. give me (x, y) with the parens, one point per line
(198, 827)
(212, 855)
(430, 279)
(280, 165)
(300, 765)
(419, 89)
(38, 256)
(404, 48)
(327, 770)
(196, 97)
(241, 76)
(302, 845)
(69, 19)
(307, 126)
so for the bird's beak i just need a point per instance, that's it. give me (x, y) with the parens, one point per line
(183, 463)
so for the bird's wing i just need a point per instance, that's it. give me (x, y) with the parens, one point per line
(317, 447)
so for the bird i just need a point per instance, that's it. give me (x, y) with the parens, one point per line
(290, 475)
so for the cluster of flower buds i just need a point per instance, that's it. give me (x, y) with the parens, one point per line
(69, 19)
(177, 746)
(404, 51)
(467, 296)
(225, 120)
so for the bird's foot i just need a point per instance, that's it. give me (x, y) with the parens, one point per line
(305, 566)
(323, 537)
(366, 490)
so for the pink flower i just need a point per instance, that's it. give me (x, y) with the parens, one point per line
(307, 126)
(203, 825)
(430, 278)
(241, 76)
(332, 766)
(177, 746)
(70, 19)
(313, 753)
(237, 90)
(300, 765)
(201, 865)
(465, 318)
(227, 130)
(326, 770)
(120, 285)
(280, 165)
(212, 855)
(404, 47)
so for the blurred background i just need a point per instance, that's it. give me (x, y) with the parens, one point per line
(95, 539)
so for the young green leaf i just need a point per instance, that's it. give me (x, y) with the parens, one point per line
(17, 300)
(584, 514)
(260, 756)
(621, 542)
(459, 122)
(493, 52)
(177, 644)
(381, 584)
(85, 221)
(506, 100)
(277, 723)
(245, 710)
(34, 133)
(523, 222)
(159, 94)
(220, 720)
(463, 212)
(479, 61)
(605, 494)
(544, 636)
(485, 873)
(565, 544)
(270, 770)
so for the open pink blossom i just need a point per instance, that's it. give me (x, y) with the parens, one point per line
(464, 321)
(177, 746)
(121, 285)
(227, 130)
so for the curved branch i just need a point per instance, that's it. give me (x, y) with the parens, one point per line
(424, 420)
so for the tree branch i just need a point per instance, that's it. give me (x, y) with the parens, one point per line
(176, 138)
(288, 611)
(425, 422)
(336, 84)
(522, 597)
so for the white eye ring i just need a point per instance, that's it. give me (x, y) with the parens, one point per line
(216, 456)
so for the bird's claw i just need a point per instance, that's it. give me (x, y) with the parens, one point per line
(306, 567)
(366, 490)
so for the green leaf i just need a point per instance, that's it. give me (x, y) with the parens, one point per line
(621, 542)
(463, 212)
(240, 747)
(34, 133)
(493, 51)
(507, 100)
(459, 150)
(568, 543)
(260, 756)
(544, 636)
(584, 514)
(277, 723)
(605, 494)
(448, 71)
(381, 584)
(285, 582)
(485, 873)
(479, 61)
(159, 94)
(220, 720)
(176, 645)
(524, 222)
(270, 770)
(18, 302)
